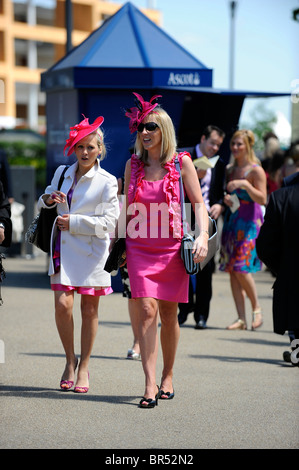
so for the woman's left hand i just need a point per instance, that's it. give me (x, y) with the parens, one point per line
(200, 247)
(63, 222)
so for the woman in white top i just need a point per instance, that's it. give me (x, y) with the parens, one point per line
(87, 207)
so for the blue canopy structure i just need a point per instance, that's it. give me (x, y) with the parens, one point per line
(131, 53)
(127, 51)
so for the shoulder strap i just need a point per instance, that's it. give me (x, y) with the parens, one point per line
(183, 210)
(62, 177)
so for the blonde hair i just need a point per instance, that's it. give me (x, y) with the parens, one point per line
(101, 145)
(248, 138)
(169, 143)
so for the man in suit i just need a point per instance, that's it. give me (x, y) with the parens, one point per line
(211, 182)
(277, 247)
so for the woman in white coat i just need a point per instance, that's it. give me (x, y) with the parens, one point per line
(87, 207)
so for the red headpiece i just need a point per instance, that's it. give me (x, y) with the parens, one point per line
(142, 109)
(81, 130)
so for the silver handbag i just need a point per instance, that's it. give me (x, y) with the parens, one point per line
(31, 234)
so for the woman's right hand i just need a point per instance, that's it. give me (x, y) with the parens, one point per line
(227, 200)
(56, 196)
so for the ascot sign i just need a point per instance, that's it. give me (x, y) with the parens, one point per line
(184, 79)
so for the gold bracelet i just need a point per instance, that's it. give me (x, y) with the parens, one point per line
(205, 231)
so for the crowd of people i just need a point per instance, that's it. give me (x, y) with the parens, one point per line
(92, 204)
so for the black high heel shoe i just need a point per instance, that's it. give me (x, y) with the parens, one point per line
(168, 396)
(149, 402)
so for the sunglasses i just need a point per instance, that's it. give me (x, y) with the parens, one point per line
(149, 126)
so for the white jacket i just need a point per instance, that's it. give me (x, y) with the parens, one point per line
(93, 215)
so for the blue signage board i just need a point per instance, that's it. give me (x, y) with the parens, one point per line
(182, 78)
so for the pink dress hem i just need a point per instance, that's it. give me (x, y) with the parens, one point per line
(83, 290)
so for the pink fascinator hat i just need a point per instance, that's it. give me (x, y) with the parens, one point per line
(79, 131)
(142, 109)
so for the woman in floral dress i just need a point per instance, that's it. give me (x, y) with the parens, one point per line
(246, 179)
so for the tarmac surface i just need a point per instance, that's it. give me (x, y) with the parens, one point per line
(232, 388)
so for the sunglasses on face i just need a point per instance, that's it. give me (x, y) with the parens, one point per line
(149, 126)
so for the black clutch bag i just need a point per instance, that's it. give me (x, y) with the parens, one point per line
(187, 245)
(39, 231)
(187, 255)
(44, 228)
(116, 256)
(188, 239)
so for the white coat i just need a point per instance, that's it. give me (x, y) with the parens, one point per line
(93, 215)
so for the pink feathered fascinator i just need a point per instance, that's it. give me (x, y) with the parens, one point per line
(142, 109)
(79, 131)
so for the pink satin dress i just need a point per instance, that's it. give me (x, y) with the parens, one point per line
(154, 235)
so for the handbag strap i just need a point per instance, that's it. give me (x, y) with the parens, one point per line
(183, 209)
(182, 197)
(62, 177)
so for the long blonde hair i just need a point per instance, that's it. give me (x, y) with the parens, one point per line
(248, 138)
(169, 143)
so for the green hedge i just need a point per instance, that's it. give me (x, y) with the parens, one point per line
(25, 154)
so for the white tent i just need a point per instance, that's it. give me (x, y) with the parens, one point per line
(282, 129)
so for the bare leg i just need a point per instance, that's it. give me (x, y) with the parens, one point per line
(133, 312)
(170, 334)
(148, 340)
(238, 295)
(248, 284)
(89, 311)
(65, 325)
(241, 284)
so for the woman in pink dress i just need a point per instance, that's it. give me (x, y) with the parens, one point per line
(153, 238)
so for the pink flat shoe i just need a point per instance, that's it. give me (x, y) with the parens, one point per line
(67, 384)
(81, 389)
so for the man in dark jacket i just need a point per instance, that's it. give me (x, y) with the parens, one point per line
(5, 230)
(5, 220)
(211, 182)
(5, 176)
(277, 247)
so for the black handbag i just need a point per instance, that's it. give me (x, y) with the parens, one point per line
(40, 229)
(116, 256)
(188, 238)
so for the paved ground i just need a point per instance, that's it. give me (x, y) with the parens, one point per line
(232, 389)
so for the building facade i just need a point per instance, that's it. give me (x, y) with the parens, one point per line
(33, 37)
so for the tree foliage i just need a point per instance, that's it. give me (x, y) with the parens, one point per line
(262, 121)
(296, 14)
